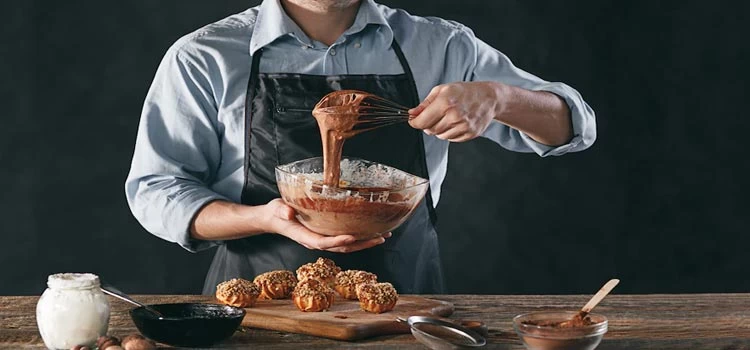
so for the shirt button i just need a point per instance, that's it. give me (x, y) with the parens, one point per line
(357, 45)
(333, 52)
(305, 47)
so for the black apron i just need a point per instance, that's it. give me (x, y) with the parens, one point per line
(278, 133)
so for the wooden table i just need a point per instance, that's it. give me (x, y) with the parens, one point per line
(693, 321)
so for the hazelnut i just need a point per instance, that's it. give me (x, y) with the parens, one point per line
(137, 342)
(80, 347)
(106, 343)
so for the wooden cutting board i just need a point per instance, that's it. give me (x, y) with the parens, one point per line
(344, 321)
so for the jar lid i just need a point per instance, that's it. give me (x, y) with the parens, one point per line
(73, 281)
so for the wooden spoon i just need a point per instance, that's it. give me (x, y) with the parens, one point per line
(577, 320)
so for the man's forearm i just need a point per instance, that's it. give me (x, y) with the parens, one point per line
(222, 220)
(542, 115)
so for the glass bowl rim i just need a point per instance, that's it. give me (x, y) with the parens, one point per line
(596, 329)
(420, 180)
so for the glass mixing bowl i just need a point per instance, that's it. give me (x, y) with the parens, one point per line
(537, 337)
(371, 199)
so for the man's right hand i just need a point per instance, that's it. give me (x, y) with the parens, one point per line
(281, 220)
(223, 220)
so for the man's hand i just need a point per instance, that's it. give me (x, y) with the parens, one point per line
(223, 220)
(457, 112)
(462, 111)
(282, 221)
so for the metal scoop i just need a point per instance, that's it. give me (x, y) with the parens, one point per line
(108, 289)
(438, 334)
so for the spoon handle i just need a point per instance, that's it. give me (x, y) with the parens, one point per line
(120, 295)
(600, 295)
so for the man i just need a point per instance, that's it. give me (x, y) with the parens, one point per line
(220, 116)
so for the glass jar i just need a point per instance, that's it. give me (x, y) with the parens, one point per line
(72, 311)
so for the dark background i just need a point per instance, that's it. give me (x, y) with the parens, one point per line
(659, 201)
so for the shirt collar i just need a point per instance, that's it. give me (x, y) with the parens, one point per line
(272, 22)
(369, 13)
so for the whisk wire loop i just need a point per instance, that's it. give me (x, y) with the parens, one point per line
(372, 111)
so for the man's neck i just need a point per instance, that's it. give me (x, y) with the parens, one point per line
(322, 20)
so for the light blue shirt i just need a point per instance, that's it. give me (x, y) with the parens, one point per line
(190, 144)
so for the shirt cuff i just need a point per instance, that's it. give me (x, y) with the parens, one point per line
(581, 117)
(546, 150)
(180, 212)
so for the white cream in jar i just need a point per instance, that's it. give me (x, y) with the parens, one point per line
(72, 311)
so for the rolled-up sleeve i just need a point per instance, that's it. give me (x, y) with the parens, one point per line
(176, 154)
(485, 63)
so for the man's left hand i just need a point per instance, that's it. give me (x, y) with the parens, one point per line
(458, 112)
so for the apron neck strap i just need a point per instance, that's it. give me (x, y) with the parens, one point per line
(404, 64)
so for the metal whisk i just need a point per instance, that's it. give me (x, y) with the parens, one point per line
(372, 111)
(375, 112)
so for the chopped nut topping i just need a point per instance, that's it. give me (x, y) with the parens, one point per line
(380, 293)
(311, 288)
(355, 277)
(323, 269)
(329, 264)
(277, 277)
(237, 286)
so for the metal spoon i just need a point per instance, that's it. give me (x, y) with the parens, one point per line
(124, 297)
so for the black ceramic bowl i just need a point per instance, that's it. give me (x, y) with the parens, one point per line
(188, 325)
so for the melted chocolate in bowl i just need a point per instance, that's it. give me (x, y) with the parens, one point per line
(336, 114)
(549, 331)
(343, 114)
(350, 197)
(371, 198)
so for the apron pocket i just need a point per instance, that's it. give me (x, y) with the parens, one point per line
(299, 130)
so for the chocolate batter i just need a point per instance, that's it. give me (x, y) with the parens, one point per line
(578, 332)
(337, 114)
(579, 320)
